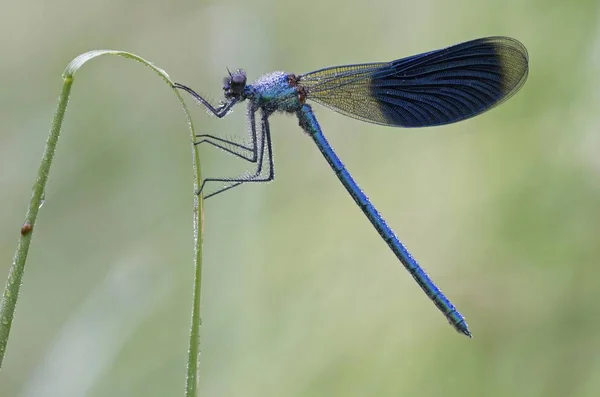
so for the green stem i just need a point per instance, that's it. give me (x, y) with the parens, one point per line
(192, 380)
(15, 274)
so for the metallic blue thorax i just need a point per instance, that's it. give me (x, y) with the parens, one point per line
(275, 92)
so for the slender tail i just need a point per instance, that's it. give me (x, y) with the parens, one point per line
(309, 123)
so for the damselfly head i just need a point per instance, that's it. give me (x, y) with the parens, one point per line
(234, 84)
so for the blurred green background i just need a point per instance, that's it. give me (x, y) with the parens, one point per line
(300, 295)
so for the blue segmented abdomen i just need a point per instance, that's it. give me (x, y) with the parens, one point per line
(309, 123)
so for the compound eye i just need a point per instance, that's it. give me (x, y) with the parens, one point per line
(237, 81)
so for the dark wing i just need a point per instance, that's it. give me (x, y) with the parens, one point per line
(434, 88)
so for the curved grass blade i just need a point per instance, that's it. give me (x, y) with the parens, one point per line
(15, 276)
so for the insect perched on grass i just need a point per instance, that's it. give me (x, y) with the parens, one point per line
(435, 88)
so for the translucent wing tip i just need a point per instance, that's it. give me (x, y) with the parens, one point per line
(513, 60)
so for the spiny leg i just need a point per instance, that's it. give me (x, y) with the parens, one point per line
(216, 138)
(265, 139)
(257, 176)
(250, 159)
(220, 111)
(253, 141)
(255, 155)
